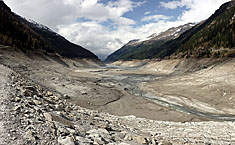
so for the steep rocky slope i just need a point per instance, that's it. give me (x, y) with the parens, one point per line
(140, 49)
(27, 36)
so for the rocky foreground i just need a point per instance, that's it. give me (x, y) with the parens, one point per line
(31, 114)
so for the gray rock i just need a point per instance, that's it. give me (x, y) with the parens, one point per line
(153, 142)
(123, 143)
(47, 116)
(66, 96)
(66, 140)
(16, 108)
(37, 102)
(82, 140)
(165, 143)
(98, 141)
(71, 131)
(122, 134)
(29, 135)
(17, 99)
(63, 131)
(49, 94)
(98, 131)
(128, 137)
(139, 139)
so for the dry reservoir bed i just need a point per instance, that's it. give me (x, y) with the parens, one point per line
(168, 90)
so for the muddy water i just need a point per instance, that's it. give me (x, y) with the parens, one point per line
(131, 82)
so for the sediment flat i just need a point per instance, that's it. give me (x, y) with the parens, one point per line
(168, 101)
(184, 90)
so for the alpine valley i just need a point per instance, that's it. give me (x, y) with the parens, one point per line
(172, 88)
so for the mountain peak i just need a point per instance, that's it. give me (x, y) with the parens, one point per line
(136, 49)
(29, 36)
(172, 33)
(211, 38)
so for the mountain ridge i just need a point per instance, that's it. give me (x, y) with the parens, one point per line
(214, 37)
(136, 49)
(21, 34)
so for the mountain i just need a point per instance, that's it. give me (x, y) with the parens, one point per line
(214, 37)
(141, 49)
(29, 36)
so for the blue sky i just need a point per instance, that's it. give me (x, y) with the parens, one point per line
(104, 26)
(152, 7)
(148, 8)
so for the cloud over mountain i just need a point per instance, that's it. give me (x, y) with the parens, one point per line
(103, 26)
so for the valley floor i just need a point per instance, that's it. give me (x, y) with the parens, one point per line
(185, 100)
(205, 88)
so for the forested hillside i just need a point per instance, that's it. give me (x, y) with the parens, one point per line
(21, 34)
(214, 37)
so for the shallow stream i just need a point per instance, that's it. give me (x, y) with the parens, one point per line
(131, 82)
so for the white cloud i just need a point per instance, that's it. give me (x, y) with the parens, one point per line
(147, 13)
(155, 18)
(196, 10)
(103, 41)
(89, 3)
(171, 4)
(200, 10)
(62, 16)
(59, 12)
(50, 13)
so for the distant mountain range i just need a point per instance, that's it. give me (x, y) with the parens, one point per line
(30, 36)
(141, 49)
(214, 37)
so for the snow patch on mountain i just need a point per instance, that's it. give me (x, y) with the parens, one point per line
(39, 25)
(172, 33)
